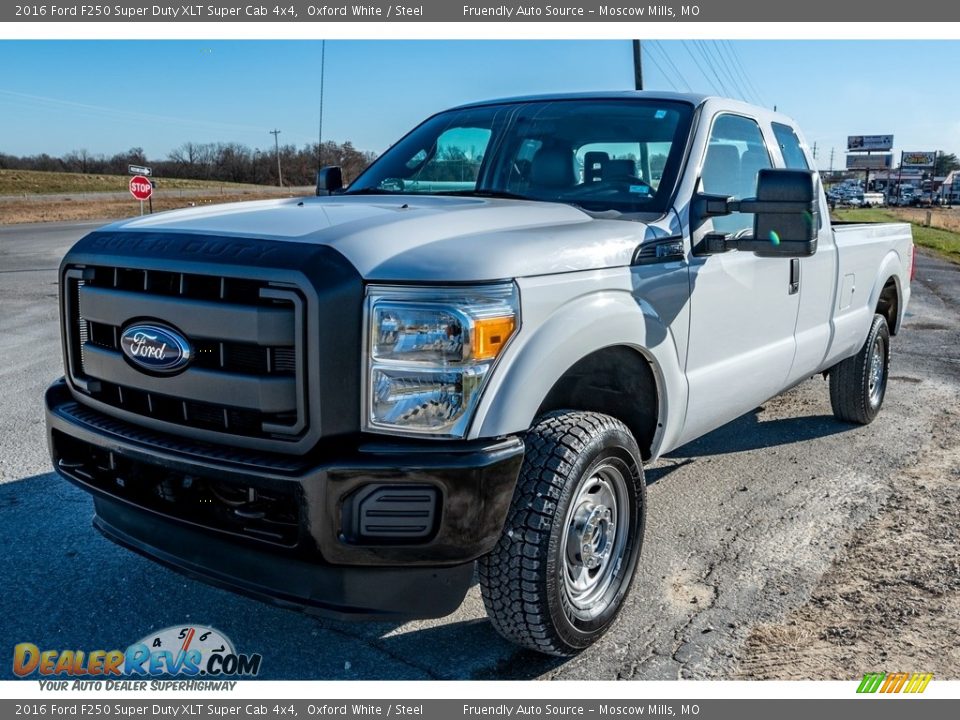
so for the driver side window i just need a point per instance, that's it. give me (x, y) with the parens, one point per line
(452, 164)
(735, 155)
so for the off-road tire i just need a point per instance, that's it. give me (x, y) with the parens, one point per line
(855, 394)
(523, 579)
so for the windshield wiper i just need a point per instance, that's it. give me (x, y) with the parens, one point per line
(372, 191)
(499, 194)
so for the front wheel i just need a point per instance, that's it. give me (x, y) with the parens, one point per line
(859, 383)
(568, 553)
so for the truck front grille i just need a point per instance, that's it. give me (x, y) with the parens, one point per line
(248, 372)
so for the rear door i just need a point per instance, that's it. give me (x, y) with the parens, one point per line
(818, 273)
(742, 310)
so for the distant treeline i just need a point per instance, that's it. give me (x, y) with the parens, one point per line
(228, 162)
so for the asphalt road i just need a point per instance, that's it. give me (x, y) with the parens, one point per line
(742, 523)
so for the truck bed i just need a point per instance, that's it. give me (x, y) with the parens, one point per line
(867, 255)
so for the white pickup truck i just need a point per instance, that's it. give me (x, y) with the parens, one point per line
(344, 403)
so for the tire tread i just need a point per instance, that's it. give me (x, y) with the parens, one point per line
(510, 589)
(849, 397)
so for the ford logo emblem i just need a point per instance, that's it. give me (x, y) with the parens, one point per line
(155, 348)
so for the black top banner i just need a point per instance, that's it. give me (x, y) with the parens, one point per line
(479, 11)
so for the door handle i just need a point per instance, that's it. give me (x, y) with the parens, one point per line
(794, 287)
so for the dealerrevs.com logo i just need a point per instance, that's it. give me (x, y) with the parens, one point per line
(184, 651)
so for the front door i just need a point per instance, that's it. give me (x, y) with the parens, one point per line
(742, 310)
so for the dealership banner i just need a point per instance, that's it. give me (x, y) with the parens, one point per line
(870, 162)
(477, 11)
(919, 159)
(877, 708)
(869, 142)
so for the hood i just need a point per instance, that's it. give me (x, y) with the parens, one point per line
(423, 238)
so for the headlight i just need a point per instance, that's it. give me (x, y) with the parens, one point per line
(429, 352)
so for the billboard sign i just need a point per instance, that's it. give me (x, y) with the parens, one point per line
(919, 159)
(870, 162)
(869, 142)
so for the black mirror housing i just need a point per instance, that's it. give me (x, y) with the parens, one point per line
(329, 180)
(786, 216)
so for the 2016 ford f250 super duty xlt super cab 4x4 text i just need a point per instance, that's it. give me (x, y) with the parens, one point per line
(345, 403)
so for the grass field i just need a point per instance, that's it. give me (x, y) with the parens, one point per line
(945, 242)
(93, 208)
(35, 182)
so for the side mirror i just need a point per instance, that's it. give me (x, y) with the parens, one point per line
(785, 213)
(329, 180)
(786, 217)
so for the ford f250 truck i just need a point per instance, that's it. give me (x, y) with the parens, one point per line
(346, 403)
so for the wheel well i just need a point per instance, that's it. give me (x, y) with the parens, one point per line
(889, 304)
(617, 381)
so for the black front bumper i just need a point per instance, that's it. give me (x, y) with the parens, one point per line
(176, 501)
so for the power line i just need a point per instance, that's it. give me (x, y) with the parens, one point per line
(746, 74)
(735, 65)
(120, 114)
(662, 72)
(699, 67)
(666, 57)
(718, 49)
(720, 66)
(699, 44)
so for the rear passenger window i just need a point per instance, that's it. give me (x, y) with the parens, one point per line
(735, 155)
(793, 156)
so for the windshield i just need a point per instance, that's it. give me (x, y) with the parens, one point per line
(601, 155)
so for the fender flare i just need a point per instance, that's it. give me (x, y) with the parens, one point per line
(891, 266)
(535, 360)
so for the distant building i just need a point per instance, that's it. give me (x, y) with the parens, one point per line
(951, 187)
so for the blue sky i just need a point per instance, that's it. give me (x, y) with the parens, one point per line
(108, 96)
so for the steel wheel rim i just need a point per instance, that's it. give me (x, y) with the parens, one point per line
(876, 376)
(595, 537)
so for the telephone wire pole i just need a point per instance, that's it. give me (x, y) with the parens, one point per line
(637, 66)
(276, 143)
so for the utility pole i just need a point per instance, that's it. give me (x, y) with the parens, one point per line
(814, 149)
(831, 161)
(276, 143)
(637, 66)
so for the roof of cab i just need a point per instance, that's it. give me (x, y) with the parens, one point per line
(694, 99)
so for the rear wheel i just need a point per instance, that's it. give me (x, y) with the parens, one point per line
(859, 383)
(568, 553)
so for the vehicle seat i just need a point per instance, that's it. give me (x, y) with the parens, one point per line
(593, 163)
(751, 163)
(619, 169)
(552, 168)
(721, 169)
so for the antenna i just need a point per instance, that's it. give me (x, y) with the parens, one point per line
(323, 59)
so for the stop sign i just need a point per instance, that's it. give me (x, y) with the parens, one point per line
(140, 187)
